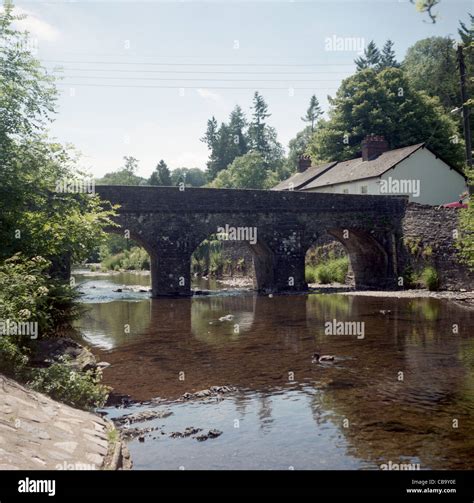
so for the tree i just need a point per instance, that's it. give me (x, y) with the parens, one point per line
(465, 242)
(249, 171)
(427, 6)
(297, 146)
(257, 136)
(225, 142)
(431, 65)
(262, 137)
(126, 175)
(235, 138)
(35, 218)
(467, 32)
(388, 58)
(238, 137)
(161, 175)
(313, 113)
(467, 38)
(210, 136)
(191, 177)
(131, 165)
(370, 59)
(384, 103)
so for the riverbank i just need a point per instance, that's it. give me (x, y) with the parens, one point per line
(463, 299)
(38, 433)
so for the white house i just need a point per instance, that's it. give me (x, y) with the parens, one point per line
(415, 171)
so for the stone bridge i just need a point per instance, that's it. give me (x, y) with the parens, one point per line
(171, 223)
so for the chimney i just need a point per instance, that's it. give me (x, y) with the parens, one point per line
(373, 146)
(304, 162)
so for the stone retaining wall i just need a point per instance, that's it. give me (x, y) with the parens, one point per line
(429, 239)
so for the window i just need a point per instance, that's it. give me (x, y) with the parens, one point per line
(345, 191)
(363, 189)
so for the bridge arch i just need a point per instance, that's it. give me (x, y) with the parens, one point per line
(262, 258)
(368, 258)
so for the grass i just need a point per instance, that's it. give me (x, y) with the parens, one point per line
(330, 271)
(429, 278)
(135, 259)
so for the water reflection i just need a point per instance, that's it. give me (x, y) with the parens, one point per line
(390, 396)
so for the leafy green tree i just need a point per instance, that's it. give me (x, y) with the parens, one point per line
(298, 146)
(161, 175)
(431, 66)
(384, 103)
(313, 113)
(235, 138)
(36, 218)
(27, 92)
(370, 59)
(224, 144)
(191, 177)
(249, 171)
(126, 175)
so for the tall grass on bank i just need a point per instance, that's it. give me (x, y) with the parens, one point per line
(135, 259)
(330, 271)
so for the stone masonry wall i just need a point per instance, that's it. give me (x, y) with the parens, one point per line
(428, 235)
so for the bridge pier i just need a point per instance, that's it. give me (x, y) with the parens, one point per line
(289, 273)
(170, 275)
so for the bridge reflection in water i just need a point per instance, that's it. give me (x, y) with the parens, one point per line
(265, 350)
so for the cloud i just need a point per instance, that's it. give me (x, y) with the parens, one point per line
(35, 26)
(206, 94)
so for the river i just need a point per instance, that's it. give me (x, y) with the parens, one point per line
(400, 391)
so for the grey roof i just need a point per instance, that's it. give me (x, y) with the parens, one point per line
(346, 171)
(357, 169)
(298, 180)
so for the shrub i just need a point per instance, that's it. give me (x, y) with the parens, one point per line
(310, 274)
(331, 271)
(135, 259)
(409, 278)
(29, 294)
(79, 389)
(323, 274)
(429, 278)
(12, 359)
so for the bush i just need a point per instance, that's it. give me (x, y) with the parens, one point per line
(29, 294)
(331, 271)
(13, 360)
(310, 274)
(74, 388)
(429, 278)
(135, 259)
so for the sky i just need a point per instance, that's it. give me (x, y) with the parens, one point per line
(142, 78)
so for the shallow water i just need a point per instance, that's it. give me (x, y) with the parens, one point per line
(401, 392)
